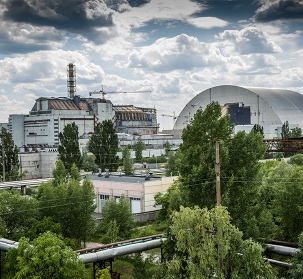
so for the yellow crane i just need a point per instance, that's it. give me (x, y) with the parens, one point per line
(104, 93)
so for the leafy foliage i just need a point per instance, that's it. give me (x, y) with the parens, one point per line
(11, 161)
(173, 163)
(296, 159)
(119, 212)
(69, 151)
(139, 147)
(17, 212)
(198, 156)
(104, 145)
(284, 188)
(258, 129)
(198, 238)
(104, 273)
(71, 204)
(296, 270)
(45, 257)
(127, 161)
(89, 162)
(169, 202)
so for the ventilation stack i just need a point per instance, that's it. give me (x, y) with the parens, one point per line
(71, 80)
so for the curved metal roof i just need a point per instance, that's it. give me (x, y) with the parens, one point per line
(287, 104)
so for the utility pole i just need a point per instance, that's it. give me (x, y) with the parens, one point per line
(218, 195)
(217, 171)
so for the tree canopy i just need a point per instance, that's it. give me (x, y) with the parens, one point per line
(69, 151)
(71, 204)
(104, 145)
(127, 161)
(121, 213)
(199, 239)
(45, 257)
(139, 147)
(11, 160)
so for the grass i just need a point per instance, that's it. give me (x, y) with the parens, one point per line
(123, 267)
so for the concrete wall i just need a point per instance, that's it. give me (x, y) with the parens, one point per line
(38, 165)
(153, 187)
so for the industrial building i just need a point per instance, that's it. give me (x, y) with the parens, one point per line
(246, 106)
(49, 115)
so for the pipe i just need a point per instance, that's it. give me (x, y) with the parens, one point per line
(120, 251)
(281, 250)
(278, 263)
(6, 244)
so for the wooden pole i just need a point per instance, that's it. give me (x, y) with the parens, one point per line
(217, 170)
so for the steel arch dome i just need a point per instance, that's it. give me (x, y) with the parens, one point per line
(263, 106)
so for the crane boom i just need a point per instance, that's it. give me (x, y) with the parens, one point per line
(110, 92)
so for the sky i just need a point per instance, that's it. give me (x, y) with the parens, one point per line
(170, 49)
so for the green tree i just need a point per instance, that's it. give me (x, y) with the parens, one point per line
(296, 270)
(196, 241)
(241, 189)
(258, 129)
(104, 273)
(89, 162)
(296, 160)
(71, 204)
(127, 161)
(285, 133)
(167, 148)
(169, 202)
(285, 188)
(139, 147)
(17, 212)
(296, 132)
(59, 173)
(198, 154)
(11, 160)
(173, 163)
(104, 145)
(45, 257)
(121, 213)
(69, 151)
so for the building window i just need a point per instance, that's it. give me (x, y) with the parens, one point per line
(103, 199)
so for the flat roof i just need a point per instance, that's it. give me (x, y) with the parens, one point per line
(123, 178)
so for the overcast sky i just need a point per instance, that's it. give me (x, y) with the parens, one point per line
(175, 48)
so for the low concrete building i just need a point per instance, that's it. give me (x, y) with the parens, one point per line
(139, 191)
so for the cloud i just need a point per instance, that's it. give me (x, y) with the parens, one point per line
(25, 38)
(10, 106)
(248, 40)
(44, 73)
(279, 10)
(169, 54)
(207, 22)
(86, 18)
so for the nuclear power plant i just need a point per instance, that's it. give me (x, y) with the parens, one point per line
(49, 115)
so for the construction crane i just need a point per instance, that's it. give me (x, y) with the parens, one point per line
(173, 116)
(104, 93)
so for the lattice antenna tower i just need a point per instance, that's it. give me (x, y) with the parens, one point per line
(71, 80)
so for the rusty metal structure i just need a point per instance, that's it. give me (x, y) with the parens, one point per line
(71, 80)
(135, 120)
(293, 145)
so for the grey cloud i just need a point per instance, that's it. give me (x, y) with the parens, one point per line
(281, 9)
(24, 38)
(76, 16)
